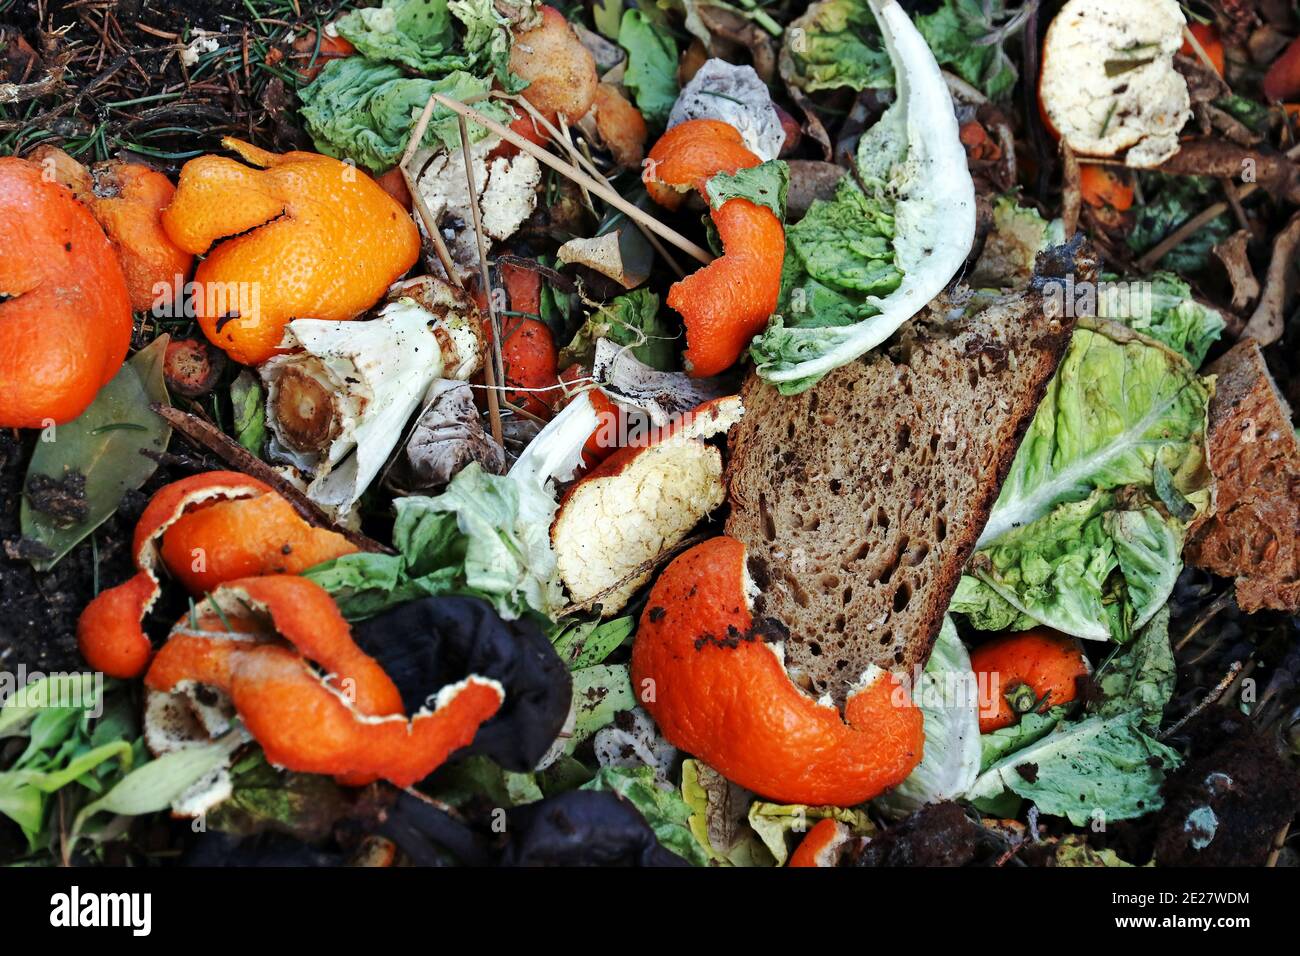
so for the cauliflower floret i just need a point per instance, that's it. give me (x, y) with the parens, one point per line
(1109, 82)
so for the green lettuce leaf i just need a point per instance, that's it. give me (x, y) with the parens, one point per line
(836, 43)
(1101, 768)
(651, 66)
(1030, 728)
(485, 535)
(1080, 538)
(421, 34)
(364, 110)
(764, 185)
(985, 609)
(417, 33)
(663, 808)
(633, 320)
(951, 761)
(1171, 316)
(1139, 678)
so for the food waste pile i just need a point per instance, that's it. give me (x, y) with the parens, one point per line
(678, 433)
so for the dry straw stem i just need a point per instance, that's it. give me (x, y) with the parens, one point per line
(494, 368)
(578, 176)
(586, 164)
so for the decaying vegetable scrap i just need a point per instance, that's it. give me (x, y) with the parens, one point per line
(945, 510)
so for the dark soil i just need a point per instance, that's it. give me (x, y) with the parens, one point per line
(1233, 795)
(941, 834)
(38, 612)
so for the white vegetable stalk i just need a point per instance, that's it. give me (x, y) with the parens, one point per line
(916, 150)
(338, 407)
(556, 453)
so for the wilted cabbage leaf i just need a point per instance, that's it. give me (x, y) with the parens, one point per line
(913, 167)
(364, 110)
(1080, 538)
(486, 535)
(836, 43)
(947, 699)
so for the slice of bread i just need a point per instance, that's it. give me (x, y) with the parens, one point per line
(860, 500)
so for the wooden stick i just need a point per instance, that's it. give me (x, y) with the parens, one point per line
(495, 368)
(241, 459)
(578, 176)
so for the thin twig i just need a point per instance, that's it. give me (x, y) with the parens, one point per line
(586, 163)
(494, 370)
(578, 176)
(241, 459)
(1209, 700)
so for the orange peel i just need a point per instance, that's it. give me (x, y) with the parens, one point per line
(205, 529)
(718, 689)
(127, 200)
(350, 723)
(822, 844)
(298, 235)
(729, 301)
(1039, 669)
(65, 313)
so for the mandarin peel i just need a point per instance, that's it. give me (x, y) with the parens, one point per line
(729, 301)
(208, 548)
(314, 724)
(65, 312)
(821, 846)
(719, 690)
(286, 236)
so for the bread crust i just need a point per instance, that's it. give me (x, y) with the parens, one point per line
(861, 499)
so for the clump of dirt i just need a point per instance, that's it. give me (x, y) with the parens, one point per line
(1227, 803)
(940, 834)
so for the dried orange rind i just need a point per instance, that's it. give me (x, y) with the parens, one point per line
(250, 530)
(347, 723)
(65, 313)
(300, 235)
(729, 301)
(714, 680)
(127, 200)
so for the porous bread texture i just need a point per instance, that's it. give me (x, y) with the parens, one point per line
(1254, 534)
(860, 500)
(637, 506)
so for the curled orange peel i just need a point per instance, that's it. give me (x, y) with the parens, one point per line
(348, 723)
(243, 527)
(301, 235)
(821, 846)
(729, 301)
(719, 690)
